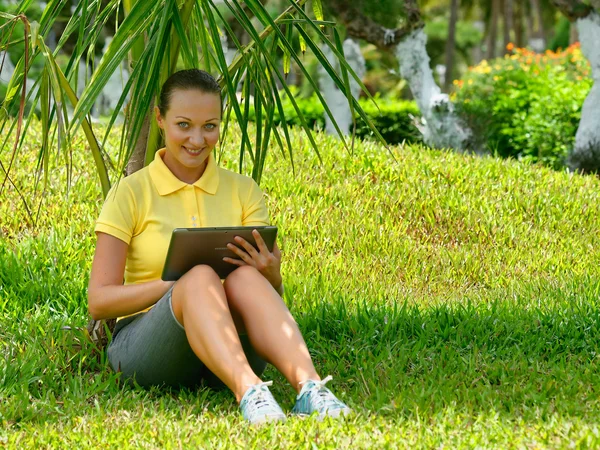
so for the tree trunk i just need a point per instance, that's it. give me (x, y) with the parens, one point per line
(451, 44)
(136, 161)
(530, 28)
(508, 22)
(586, 154)
(493, 30)
(440, 126)
(573, 34)
(360, 26)
(518, 20)
(537, 40)
(572, 9)
(335, 98)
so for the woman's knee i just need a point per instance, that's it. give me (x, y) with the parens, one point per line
(245, 286)
(198, 276)
(242, 276)
(195, 281)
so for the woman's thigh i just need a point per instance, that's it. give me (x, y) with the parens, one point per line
(153, 349)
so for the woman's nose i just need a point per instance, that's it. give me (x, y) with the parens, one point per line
(197, 139)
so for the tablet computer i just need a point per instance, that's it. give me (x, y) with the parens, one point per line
(190, 247)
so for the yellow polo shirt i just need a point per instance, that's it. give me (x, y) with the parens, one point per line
(143, 209)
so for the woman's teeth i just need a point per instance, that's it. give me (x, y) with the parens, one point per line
(193, 152)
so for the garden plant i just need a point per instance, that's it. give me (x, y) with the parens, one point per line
(526, 105)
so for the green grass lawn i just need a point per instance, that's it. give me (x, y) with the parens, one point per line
(454, 299)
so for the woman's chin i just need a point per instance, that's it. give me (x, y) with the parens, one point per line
(195, 163)
(195, 160)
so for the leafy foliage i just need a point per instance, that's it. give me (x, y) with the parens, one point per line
(526, 105)
(156, 38)
(394, 119)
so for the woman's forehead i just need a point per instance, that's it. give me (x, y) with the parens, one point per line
(195, 104)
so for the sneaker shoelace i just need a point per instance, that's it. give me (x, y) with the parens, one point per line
(260, 401)
(321, 397)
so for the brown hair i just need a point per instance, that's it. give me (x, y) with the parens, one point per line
(187, 79)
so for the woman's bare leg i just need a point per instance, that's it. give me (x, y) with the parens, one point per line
(200, 305)
(272, 330)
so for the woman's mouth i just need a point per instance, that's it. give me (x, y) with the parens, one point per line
(193, 152)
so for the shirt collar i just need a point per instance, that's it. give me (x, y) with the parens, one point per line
(166, 183)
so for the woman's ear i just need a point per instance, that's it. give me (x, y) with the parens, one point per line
(159, 118)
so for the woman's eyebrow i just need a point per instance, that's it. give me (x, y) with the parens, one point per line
(187, 118)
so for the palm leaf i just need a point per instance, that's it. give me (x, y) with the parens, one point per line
(141, 15)
(317, 9)
(154, 36)
(258, 41)
(321, 59)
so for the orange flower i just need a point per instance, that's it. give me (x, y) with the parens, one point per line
(510, 46)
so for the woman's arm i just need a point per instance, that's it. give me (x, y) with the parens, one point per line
(107, 296)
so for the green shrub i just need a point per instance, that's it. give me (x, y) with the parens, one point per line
(393, 118)
(526, 105)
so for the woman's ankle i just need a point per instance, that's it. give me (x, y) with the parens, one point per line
(244, 385)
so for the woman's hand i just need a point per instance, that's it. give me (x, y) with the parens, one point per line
(266, 262)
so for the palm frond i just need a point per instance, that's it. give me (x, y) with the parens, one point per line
(154, 38)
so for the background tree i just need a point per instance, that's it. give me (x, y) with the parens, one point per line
(450, 44)
(492, 32)
(157, 38)
(399, 29)
(508, 22)
(586, 16)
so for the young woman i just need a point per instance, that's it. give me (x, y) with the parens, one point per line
(198, 329)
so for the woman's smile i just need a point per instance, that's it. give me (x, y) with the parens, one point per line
(192, 151)
(191, 128)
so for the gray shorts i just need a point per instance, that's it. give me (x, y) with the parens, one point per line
(152, 348)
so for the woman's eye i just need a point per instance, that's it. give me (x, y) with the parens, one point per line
(183, 125)
(210, 126)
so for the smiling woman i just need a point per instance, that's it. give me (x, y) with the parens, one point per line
(192, 127)
(199, 329)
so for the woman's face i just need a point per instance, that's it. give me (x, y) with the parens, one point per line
(191, 127)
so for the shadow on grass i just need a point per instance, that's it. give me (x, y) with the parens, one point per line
(511, 357)
(506, 356)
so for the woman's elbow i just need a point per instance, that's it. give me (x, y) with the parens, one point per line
(94, 306)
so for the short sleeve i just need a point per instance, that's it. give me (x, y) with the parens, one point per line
(117, 217)
(254, 208)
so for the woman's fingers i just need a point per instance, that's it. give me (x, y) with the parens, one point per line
(262, 259)
(247, 246)
(262, 247)
(241, 253)
(237, 262)
(276, 252)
